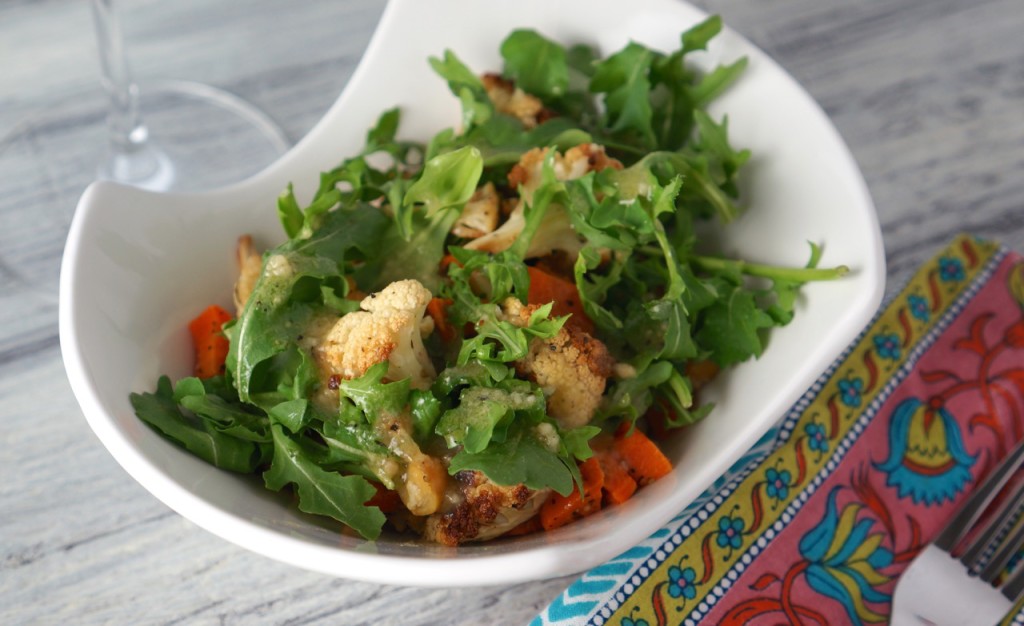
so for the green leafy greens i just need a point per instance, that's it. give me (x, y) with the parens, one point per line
(657, 302)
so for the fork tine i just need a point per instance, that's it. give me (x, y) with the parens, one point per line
(979, 500)
(1013, 586)
(1008, 548)
(1009, 542)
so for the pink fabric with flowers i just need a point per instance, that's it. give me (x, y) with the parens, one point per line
(862, 473)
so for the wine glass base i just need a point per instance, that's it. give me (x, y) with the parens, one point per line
(201, 138)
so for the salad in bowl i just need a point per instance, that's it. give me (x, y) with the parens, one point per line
(536, 301)
(485, 335)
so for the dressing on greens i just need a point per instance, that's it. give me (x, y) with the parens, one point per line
(596, 171)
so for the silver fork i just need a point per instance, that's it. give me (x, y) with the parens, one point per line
(939, 589)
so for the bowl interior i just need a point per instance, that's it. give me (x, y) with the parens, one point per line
(138, 266)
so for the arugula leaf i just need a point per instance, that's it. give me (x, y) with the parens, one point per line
(785, 281)
(582, 59)
(712, 84)
(698, 36)
(375, 398)
(623, 78)
(521, 458)
(670, 309)
(503, 140)
(601, 216)
(593, 287)
(472, 423)
(335, 296)
(631, 397)
(473, 372)
(384, 132)
(413, 248)
(268, 325)
(677, 394)
(416, 258)
(285, 377)
(225, 414)
(352, 447)
(674, 100)
(731, 326)
(680, 92)
(322, 492)
(723, 163)
(537, 64)
(426, 411)
(495, 339)
(476, 106)
(289, 213)
(575, 442)
(288, 294)
(222, 449)
(354, 181)
(292, 414)
(503, 341)
(481, 410)
(447, 181)
(342, 232)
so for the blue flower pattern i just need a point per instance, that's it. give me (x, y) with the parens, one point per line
(730, 532)
(850, 390)
(777, 483)
(951, 269)
(681, 582)
(888, 346)
(919, 308)
(816, 438)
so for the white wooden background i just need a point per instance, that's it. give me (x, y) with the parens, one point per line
(929, 94)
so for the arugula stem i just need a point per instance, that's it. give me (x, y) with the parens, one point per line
(371, 465)
(796, 274)
(677, 383)
(727, 212)
(695, 180)
(775, 272)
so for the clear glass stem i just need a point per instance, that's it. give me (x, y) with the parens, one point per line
(132, 158)
(127, 131)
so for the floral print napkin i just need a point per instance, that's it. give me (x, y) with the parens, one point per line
(816, 523)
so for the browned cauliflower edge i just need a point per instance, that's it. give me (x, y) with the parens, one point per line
(556, 232)
(386, 329)
(572, 368)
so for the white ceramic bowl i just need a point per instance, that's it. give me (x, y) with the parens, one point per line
(138, 266)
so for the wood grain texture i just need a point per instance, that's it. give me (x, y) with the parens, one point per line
(929, 95)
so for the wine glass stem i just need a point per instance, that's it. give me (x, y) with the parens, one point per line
(128, 133)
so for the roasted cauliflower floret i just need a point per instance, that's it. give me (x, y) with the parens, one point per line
(420, 479)
(572, 368)
(555, 231)
(249, 265)
(577, 161)
(387, 329)
(480, 509)
(511, 100)
(480, 215)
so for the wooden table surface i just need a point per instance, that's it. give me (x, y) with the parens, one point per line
(929, 95)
